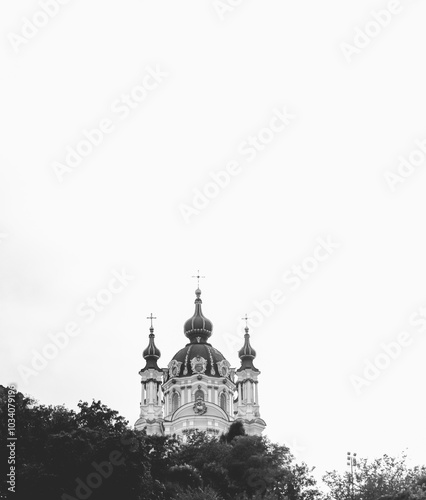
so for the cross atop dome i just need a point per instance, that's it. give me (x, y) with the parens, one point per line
(246, 318)
(151, 318)
(198, 278)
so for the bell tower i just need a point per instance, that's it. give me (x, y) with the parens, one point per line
(247, 404)
(151, 407)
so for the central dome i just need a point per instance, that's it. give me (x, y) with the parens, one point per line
(198, 328)
(198, 357)
(201, 359)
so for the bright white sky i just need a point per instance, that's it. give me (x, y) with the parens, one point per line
(322, 176)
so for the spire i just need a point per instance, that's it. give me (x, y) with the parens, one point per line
(151, 353)
(247, 353)
(198, 328)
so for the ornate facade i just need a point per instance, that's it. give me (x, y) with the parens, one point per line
(198, 389)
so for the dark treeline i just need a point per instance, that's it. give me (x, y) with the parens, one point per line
(63, 454)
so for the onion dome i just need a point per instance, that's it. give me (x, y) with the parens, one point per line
(151, 353)
(247, 353)
(198, 328)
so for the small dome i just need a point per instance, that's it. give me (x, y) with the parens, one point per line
(247, 353)
(151, 353)
(198, 328)
(152, 350)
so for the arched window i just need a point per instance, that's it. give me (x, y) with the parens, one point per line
(175, 401)
(199, 394)
(223, 401)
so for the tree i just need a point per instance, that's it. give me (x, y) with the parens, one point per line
(385, 478)
(235, 429)
(93, 453)
(62, 452)
(198, 494)
(246, 466)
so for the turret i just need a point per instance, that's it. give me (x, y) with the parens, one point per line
(151, 408)
(247, 404)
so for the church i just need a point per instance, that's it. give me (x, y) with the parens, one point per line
(198, 389)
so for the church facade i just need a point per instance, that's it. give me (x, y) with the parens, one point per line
(198, 389)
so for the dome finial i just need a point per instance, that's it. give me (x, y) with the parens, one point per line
(246, 318)
(198, 279)
(151, 329)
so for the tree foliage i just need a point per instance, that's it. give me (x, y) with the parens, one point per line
(92, 453)
(385, 478)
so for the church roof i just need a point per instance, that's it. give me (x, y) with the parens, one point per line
(247, 353)
(200, 358)
(151, 353)
(198, 328)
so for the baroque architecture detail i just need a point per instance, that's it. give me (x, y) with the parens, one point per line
(198, 364)
(198, 389)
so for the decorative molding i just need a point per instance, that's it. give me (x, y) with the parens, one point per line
(212, 370)
(198, 364)
(185, 368)
(223, 367)
(200, 407)
(174, 368)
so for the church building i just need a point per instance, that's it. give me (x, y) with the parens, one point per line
(198, 389)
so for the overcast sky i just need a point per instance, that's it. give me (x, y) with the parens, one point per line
(273, 145)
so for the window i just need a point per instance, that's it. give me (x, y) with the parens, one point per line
(199, 394)
(175, 402)
(223, 401)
